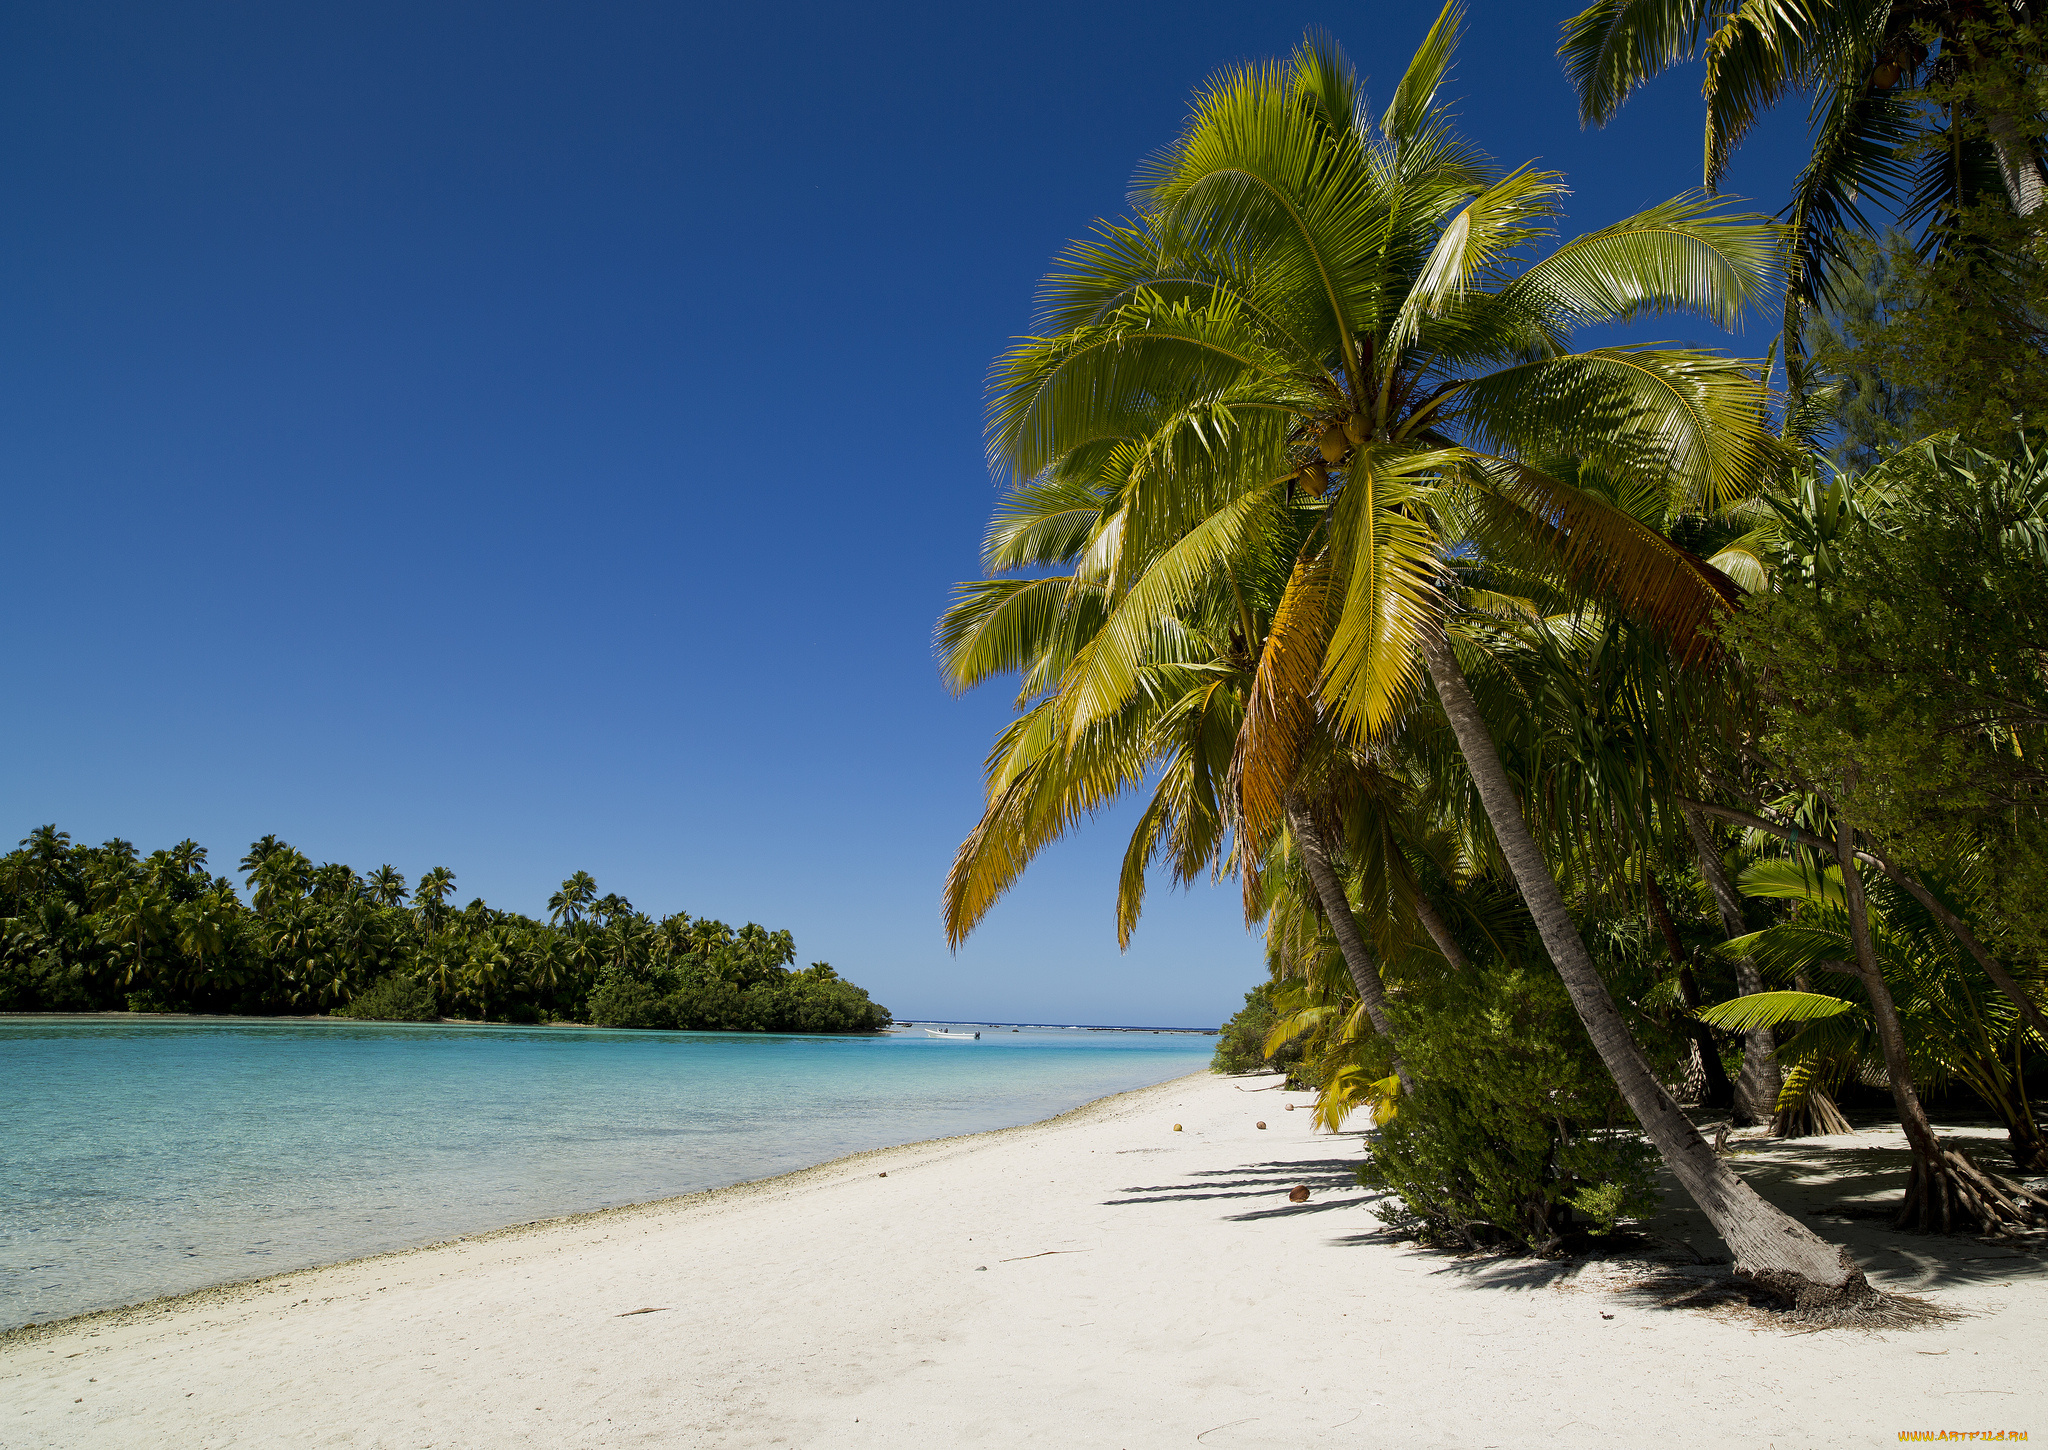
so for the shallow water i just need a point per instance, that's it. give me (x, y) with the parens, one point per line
(142, 1157)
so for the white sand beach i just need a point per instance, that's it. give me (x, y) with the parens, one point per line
(1096, 1280)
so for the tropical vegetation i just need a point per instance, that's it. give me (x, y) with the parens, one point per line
(1550, 703)
(105, 928)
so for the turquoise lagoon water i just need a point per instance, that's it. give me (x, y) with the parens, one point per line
(142, 1157)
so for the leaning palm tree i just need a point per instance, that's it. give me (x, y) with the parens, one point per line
(1316, 304)
(1175, 740)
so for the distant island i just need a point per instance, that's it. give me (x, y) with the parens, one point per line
(105, 928)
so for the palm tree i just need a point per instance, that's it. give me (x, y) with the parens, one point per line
(1312, 304)
(280, 876)
(202, 931)
(386, 886)
(484, 968)
(258, 852)
(568, 904)
(137, 917)
(431, 895)
(1177, 734)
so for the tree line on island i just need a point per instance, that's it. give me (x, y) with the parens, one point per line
(1592, 729)
(104, 928)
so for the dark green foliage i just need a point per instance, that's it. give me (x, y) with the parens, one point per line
(1954, 343)
(733, 991)
(1241, 1047)
(1905, 669)
(1872, 413)
(397, 997)
(1515, 1127)
(101, 928)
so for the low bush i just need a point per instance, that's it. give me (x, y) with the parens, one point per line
(397, 997)
(1515, 1135)
(817, 1000)
(1241, 1046)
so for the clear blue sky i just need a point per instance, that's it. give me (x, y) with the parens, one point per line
(530, 437)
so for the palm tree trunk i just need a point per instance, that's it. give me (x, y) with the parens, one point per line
(1714, 1089)
(1758, 1085)
(1917, 889)
(2016, 162)
(1439, 930)
(1336, 906)
(1945, 1191)
(1891, 1036)
(1772, 1250)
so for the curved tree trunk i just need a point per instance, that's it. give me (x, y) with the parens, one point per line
(1760, 1082)
(1439, 930)
(1945, 1191)
(1772, 1250)
(1330, 896)
(1917, 889)
(1706, 1078)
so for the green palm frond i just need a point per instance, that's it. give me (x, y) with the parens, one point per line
(1415, 97)
(1772, 1009)
(1105, 675)
(1695, 416)
(1613, 46)
(1684, 255)
(1764, 48)
(1386, 555)
(1050, 521)
(996, 626)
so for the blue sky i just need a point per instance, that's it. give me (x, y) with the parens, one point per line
(531, 437)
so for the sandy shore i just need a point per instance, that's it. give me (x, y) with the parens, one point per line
(1097, 1280)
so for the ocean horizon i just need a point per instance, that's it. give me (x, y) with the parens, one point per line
(143, 1156)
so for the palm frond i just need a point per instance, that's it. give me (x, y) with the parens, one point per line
(1281, 708)
(1613, 46)
(1386, 555)
(1772, 1009)
(1684, 255)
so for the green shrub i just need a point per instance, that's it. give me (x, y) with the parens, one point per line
(1515, 1134)
(622, 1001)
(1241, 1046)
(834, 1006)
(791, 1002)
(45, 984)
(397, 997)
(148, 1001)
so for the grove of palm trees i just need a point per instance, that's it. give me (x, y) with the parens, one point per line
(103, 928)
(1613, 739)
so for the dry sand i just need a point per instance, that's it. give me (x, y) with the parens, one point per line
(1097, 1280)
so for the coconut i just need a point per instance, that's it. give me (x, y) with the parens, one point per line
(1333, 443)
(1357, 429)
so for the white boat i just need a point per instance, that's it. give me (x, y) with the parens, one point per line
(952, 1036)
